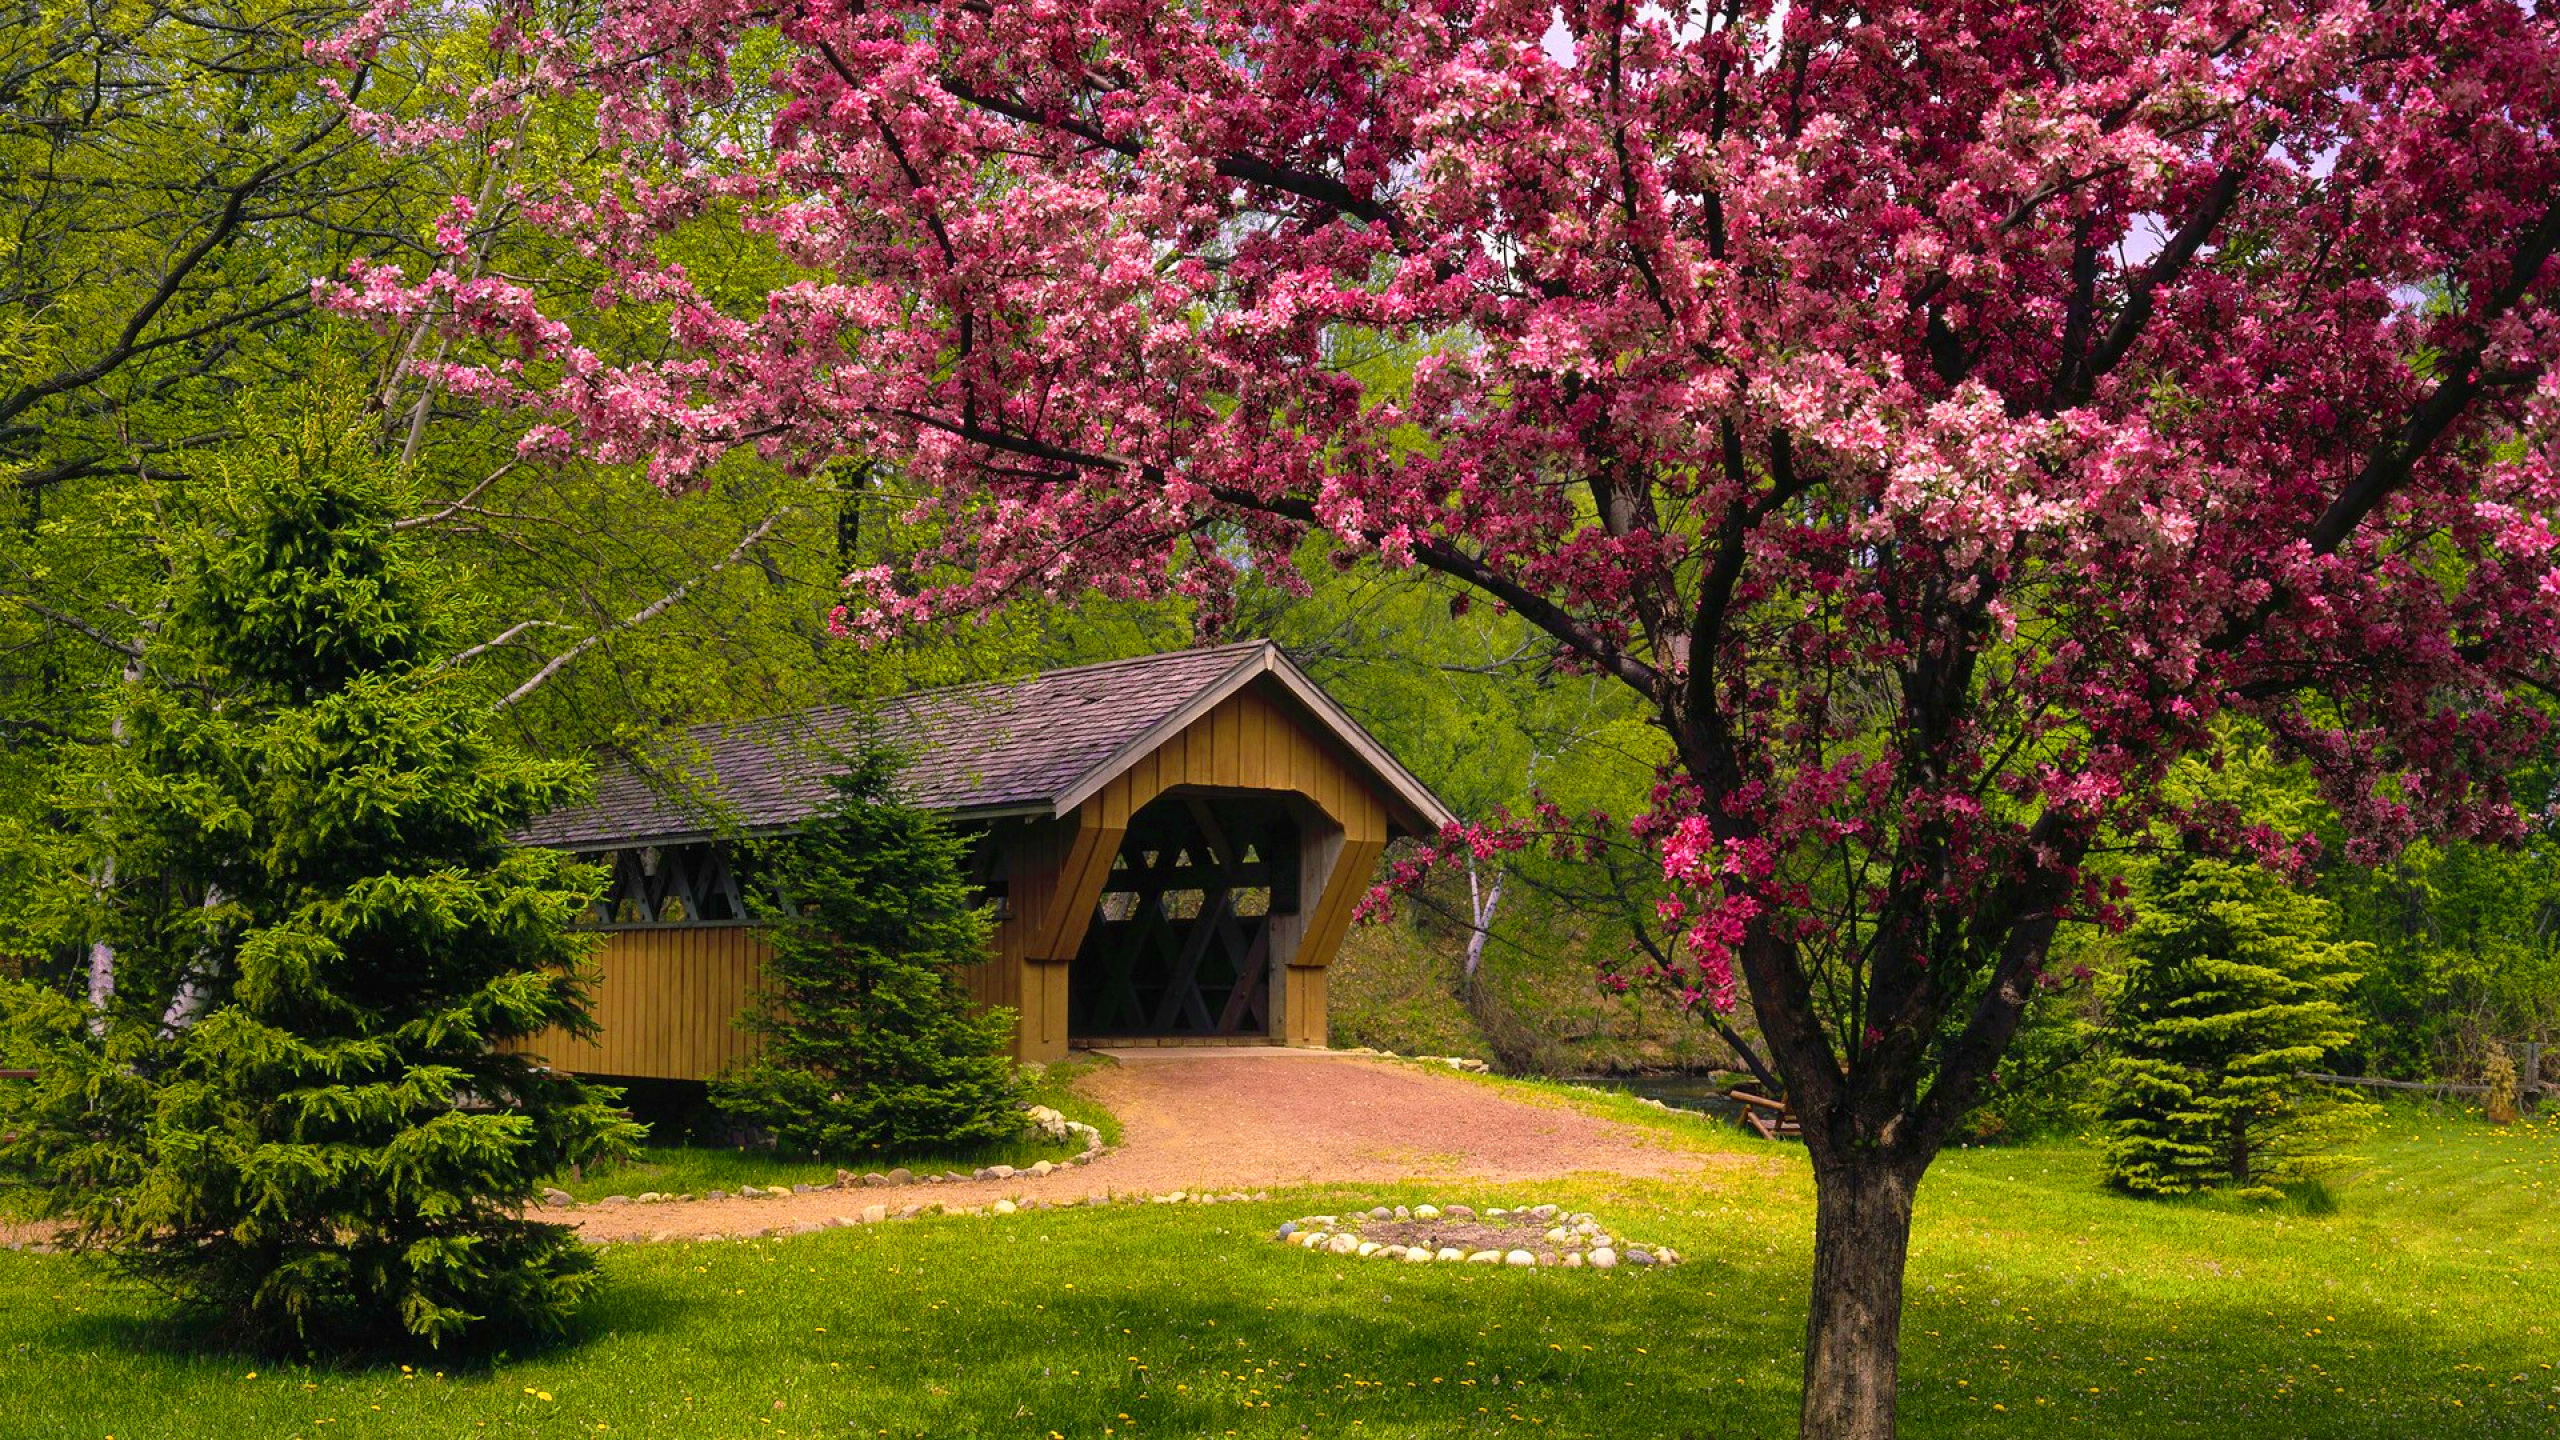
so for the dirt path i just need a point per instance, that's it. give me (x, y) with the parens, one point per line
(1227, 1121)
(1235, 1120)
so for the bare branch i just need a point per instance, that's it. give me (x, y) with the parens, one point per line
(457, 507)
(645, 613)
(495, 641)
(132, 648)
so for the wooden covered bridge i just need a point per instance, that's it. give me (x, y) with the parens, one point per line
(1173, 845)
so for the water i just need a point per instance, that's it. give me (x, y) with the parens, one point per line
(1701, 1093)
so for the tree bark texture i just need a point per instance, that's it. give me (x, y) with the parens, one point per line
(1853, 1329)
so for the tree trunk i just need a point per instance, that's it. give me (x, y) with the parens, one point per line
(1481, 906)
(1853, 1334)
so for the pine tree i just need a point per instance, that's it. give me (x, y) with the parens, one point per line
(869, 1045)
(299, 1108)
(2232, 989)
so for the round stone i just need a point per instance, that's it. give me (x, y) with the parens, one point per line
(1287, 1229)
(1604, 1258)
(1381, 1212)
(1448, 1253)
(1486, 1257)
(1367, 1249)
(1573, 1259)
(1639, 1257)
(1426, 1212)
(1417, 1254)
(1343, 1244)
(1521, 1257)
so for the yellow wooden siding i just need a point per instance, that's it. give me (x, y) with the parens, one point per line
(666, 1001)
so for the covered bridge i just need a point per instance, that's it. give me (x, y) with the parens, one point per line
(1173, 846)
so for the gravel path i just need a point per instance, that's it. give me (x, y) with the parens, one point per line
(1223, 1121)
(1230, 1120)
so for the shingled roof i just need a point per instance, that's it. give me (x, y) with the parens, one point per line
(1039, 746)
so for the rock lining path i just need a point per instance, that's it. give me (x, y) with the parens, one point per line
(1221, 1121)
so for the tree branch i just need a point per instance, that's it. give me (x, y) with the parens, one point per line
(643, 615)
(1245, 169)
(130, 648)
(458, 506)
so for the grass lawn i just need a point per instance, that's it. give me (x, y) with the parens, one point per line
(694, 1169)
(2039, 1306)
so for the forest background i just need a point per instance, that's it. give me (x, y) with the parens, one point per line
(174, 179)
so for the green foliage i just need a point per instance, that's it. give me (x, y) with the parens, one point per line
(869, 1041)
(2044, 1086)
(298, 1106)
(2232, 988)
(2465, 952)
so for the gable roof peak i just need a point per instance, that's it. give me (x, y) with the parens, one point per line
(1039, 745)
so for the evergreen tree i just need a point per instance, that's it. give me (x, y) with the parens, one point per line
(303, 1105)
(2232, 988)
(869, 1043)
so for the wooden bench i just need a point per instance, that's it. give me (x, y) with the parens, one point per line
(1771, 1119)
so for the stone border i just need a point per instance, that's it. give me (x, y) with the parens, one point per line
(1049, 1123)
(1579, 1239)
(881, 1214)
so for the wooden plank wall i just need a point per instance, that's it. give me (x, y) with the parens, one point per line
(666, 999)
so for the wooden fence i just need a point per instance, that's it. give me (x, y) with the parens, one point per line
(2529, 1086)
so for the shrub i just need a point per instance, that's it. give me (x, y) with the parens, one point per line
(869, 1041)
(2499, 1075)
(298, 1107)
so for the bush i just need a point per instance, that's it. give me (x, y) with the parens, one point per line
(2499, 1075)
(869, 1043)
(299, 1106)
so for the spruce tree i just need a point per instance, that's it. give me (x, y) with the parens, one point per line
(869, 1044)
(300, 1107)
(2231, 990)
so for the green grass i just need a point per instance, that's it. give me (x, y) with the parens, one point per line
(695, 1169)
(2040, 1306)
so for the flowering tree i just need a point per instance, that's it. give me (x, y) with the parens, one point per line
(1943, 417)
